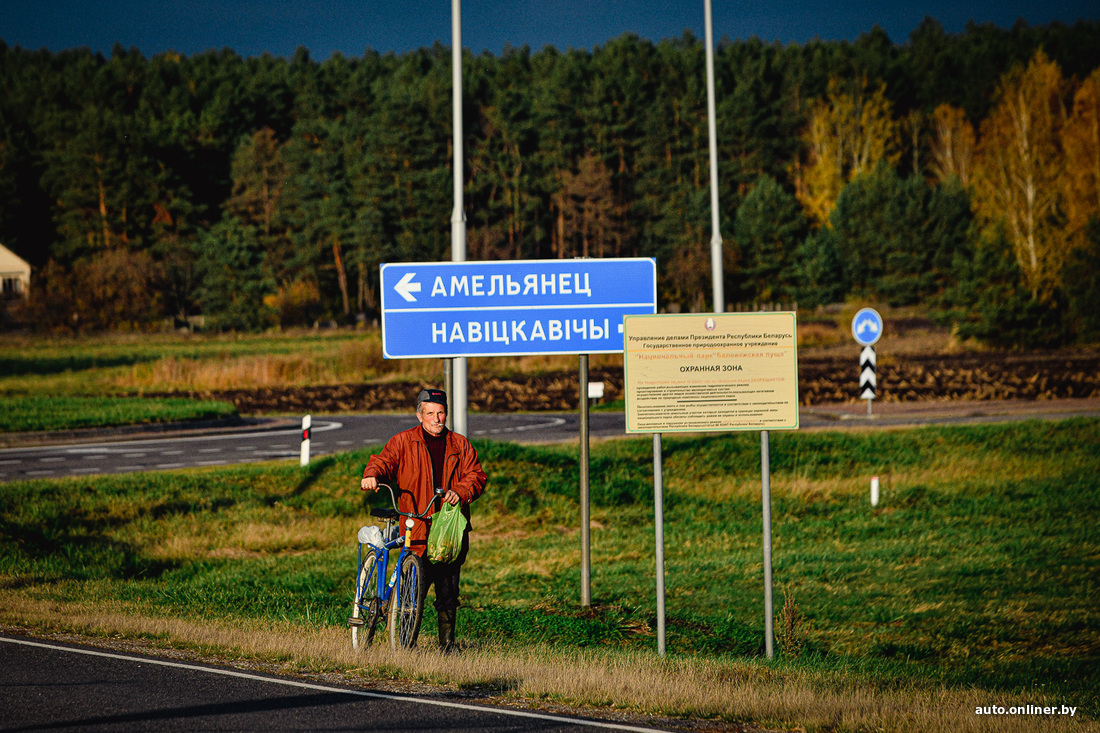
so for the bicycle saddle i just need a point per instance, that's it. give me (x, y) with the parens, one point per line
(383, 512)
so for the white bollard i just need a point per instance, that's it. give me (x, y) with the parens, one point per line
(874, 491)
(307, 422)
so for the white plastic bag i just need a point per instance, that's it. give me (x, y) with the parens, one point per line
(370, 535)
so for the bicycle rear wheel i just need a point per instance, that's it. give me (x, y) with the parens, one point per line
(367, 606)
(407, 606)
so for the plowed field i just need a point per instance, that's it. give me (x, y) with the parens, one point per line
(822, 380)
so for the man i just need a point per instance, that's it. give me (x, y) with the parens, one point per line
(420, 460)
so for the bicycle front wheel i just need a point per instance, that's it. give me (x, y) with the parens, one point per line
(407, 606)
(367, 609)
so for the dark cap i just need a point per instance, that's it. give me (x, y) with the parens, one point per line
(437, 396)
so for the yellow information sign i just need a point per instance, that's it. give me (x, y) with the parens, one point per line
(710, 372)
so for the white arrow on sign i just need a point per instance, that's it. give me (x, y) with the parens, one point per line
(867, 324)
(868, 377)
(868, 394)
(867, 356)
(405, 287)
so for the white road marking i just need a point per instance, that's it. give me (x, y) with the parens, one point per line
(551, 423)
(129, 445)
(338, 690)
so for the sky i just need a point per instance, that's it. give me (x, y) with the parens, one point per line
(279, 27)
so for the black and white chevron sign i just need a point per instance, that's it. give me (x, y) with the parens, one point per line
(868, 381)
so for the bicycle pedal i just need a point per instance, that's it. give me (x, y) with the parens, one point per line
(353, 621)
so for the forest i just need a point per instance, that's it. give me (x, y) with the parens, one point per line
(955, 173)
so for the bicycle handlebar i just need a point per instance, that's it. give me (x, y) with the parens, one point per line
(393, 498)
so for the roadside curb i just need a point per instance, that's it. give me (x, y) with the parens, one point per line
(148, 430)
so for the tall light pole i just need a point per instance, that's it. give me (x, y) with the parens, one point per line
(719, 307)
(458, 216)
(712, 128)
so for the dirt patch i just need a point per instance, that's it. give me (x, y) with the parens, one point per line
(823, 380)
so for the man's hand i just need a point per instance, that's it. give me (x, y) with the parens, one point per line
(452, 498)
(369, 483)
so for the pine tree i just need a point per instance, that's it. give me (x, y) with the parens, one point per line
(769, 227)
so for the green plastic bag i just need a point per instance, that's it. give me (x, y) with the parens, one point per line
(445, 537)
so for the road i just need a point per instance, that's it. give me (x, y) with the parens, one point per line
(108, 452)
(103, 453)
(59, 686)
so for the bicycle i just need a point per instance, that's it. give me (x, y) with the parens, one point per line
(404, 591)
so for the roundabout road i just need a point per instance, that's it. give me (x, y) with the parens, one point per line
(105, 452)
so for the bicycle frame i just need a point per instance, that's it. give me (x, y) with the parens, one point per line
(370, 602)
(382, 558)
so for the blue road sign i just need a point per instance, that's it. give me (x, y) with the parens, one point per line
(450, 309)
(867, 327)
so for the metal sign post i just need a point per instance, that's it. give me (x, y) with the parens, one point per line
(716, 274)
(659, 538)
(586, 514)
(766, 501)
(457, 373)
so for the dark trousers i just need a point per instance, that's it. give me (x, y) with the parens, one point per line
(444, 576)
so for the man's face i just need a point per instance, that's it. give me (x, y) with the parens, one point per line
(433, 417)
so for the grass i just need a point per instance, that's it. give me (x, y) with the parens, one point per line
(22, 414)
(138, 364)
(134, 364)
(72, 370)
(973, 583)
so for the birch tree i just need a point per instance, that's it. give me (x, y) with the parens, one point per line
(1081, 143)
(953, 141)
(1017, 170)
(849, 132)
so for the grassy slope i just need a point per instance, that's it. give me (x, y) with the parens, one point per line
(979, 568)
(32, 413)
(60, 383)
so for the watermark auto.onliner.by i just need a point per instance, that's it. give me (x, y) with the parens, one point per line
(1026, 710)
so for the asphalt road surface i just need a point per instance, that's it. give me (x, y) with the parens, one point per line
(105, 452)
(55, 686)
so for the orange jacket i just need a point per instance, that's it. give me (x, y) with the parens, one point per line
(405, 462)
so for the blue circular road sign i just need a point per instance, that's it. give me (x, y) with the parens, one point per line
(867, 327)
